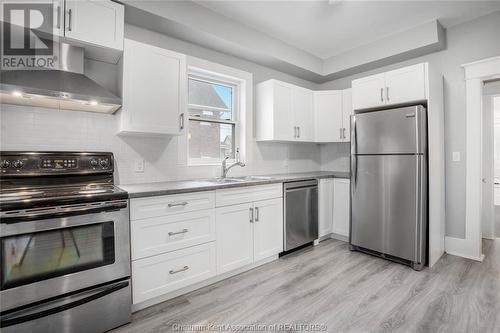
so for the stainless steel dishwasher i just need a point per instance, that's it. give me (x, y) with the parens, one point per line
(301, 213)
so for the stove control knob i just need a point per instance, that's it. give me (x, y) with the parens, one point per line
(18, 164)
(94, 163)
(104, 163)
(5, 164)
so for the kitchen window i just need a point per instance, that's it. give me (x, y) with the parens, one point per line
(213, 120)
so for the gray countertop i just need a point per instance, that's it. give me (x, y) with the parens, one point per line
(184, 186)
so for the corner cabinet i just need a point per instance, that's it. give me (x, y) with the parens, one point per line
(403, 85)
(284, 112)
(332, 116)
(154, 90)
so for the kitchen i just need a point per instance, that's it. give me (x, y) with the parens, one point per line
(225, 169)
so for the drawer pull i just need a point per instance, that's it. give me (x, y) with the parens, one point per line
(183, 231)
(185, 268)
(175, 204)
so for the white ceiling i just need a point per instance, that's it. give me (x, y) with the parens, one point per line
(325, 30)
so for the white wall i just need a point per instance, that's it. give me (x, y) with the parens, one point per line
(28, 128)
(473, 40)
(496, 115)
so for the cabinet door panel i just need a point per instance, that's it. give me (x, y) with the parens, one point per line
(368, 92)
(283, 112)
(98, 22)
(325, 201)
(302, 103)
(341, 206)
(234, 237)
(327, 116)
(154, 89)
(405, 84)
(346, 115)
(268, 228)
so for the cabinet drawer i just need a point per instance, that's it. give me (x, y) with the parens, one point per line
(245, 194)
(142, 208)
(162, 234)
(161, 274)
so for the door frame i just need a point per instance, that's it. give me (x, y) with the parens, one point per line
(475, 75)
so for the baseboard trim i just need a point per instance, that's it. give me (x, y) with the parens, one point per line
(339, 237)
(461, 247)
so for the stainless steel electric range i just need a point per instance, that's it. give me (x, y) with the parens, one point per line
(65, 249)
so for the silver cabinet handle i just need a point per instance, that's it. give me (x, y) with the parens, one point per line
(345, 137)
(381, 94)
(295, 132)
(298, 131)
(387, 93)
(185, 268)
(340, 133)
(175, 204)
(256, 214)
(251, 215)
(70, 13)
(58, 17)
(181, 121)
(183, 231)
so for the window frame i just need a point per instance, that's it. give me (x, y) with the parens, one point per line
(219, 79)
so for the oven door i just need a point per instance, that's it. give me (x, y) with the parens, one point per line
(51, 255)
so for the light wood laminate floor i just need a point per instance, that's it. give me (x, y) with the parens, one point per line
(345, 291)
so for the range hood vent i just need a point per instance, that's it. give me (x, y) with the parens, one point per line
(66, 88)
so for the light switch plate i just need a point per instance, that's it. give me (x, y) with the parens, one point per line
(139, 166)
(456, 156)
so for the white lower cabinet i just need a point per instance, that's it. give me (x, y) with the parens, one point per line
(341, 206)
(157, 275)
(234, 237)
(325, 207)
(267, 228)
(249, 232)
(157, 235)
(180, 240)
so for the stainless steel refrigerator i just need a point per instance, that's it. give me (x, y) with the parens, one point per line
(389, 184)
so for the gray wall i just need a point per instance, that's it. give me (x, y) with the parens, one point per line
(473, 40)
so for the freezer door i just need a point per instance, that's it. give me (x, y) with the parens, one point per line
(386, 206)
(394, 131)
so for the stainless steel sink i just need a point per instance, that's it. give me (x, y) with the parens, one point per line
(250, 178)
(232, 180)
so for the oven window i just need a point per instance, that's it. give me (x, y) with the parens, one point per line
(43, 255)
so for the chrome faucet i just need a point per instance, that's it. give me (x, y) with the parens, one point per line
(225, 169)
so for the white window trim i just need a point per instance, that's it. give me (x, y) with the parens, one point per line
(215, 73)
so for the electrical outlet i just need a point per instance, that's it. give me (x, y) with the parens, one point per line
(139, 166)
(456, 156)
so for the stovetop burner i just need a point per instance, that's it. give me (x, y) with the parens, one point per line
(56, 178)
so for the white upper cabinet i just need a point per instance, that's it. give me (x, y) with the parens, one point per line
(97, 22)
(332, 112)
(347, 112)
(302, 104)
(284, 112)
(154, 90)
(328, 116)
(368, 92)
(403, 85)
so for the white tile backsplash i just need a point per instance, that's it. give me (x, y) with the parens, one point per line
(33, 128)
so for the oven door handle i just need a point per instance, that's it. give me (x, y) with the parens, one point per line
(9, 319)
(61, 211)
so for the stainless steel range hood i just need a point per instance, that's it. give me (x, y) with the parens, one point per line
(66, 88)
